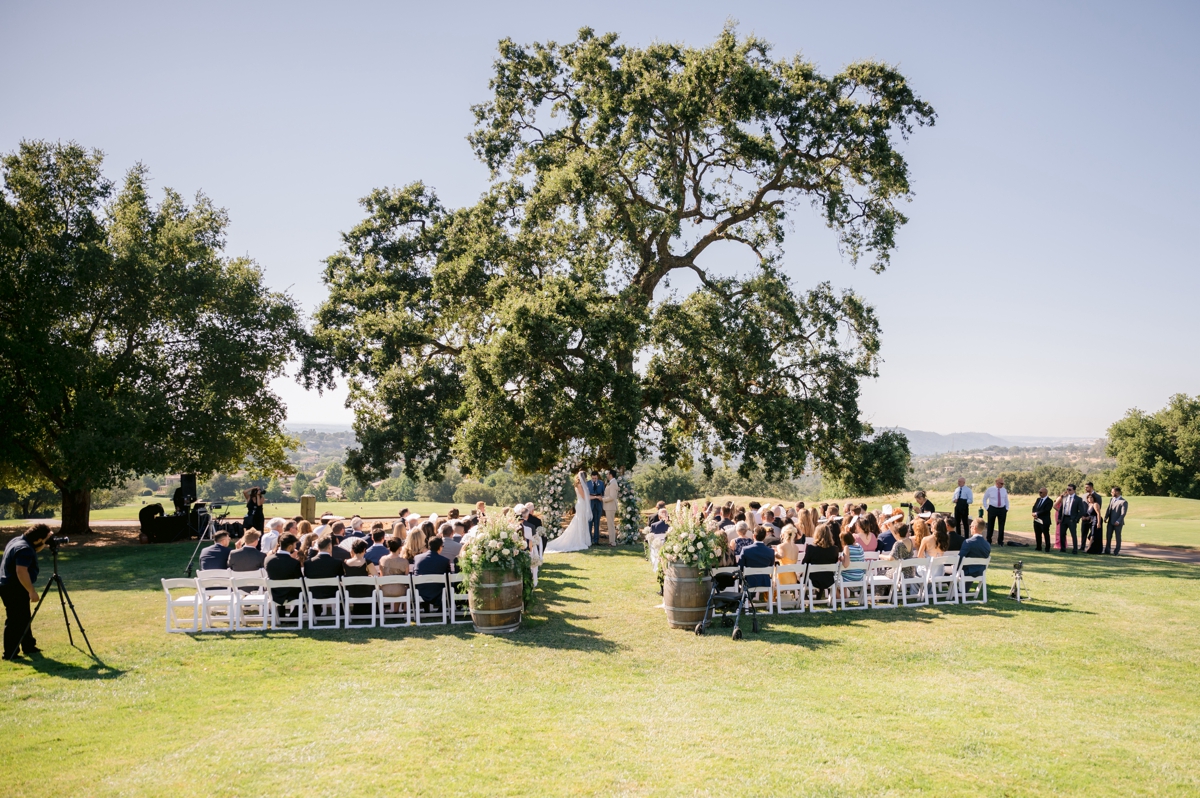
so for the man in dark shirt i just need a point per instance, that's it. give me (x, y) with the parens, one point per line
(284, 565)
(216, 556)
(377, 550)
(323, 566)
(431, 562)
(660, 525)
(18, 573)
(450, 547)
(247, 557)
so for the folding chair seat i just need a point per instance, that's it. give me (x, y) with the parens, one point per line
(851, 590)
(757, 592)
(292, 616)
(459, 600)
(881, 583)
(978, 594)
(870, 556)
(352, 585)
(395, 610)
(941, 582)
(829, 603)
(216, 602)
(183, 609)
(796, 589)
(911, 589)
(419, 613)
(332, 603)
(250, 602)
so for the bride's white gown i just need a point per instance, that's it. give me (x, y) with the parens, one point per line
(577, 537)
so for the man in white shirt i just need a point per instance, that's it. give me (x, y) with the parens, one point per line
(995, 502)
(962, 500)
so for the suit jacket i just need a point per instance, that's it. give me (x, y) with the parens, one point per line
(611, 492)
(1042, 508)
(1078, 508)
(757, 555)
(886, 541)
(430, 563)
(1115, 514)
(595, 490)
(215, 557)
(282, 565)
(974, 546)
(659, 527)
(246, 559)
(323, 566)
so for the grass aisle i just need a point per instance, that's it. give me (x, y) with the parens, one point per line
(1088, 688)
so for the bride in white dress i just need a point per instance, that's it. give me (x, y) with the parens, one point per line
(578, 535)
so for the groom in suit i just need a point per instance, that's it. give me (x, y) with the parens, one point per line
(611, 496)
(595, 492)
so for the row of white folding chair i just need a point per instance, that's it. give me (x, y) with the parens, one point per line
(246, 602)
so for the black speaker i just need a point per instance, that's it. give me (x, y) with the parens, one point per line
(188, 483)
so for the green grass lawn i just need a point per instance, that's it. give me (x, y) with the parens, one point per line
(128, 512)
(1089, 688)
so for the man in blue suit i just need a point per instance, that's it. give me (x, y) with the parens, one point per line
(595, 490)
(431, 562)
(216, 556)
(758, 555)
(976, 546)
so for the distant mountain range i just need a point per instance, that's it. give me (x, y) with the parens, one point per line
(925, 443)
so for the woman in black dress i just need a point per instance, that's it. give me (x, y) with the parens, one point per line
(254, 509)
(358, 565)
(822, 551)
(1092, 523)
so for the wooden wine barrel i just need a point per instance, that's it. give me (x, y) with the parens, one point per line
(496, 602)
(685, 595)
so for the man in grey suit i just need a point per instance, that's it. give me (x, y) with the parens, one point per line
(1070, 509)
(1115, 517)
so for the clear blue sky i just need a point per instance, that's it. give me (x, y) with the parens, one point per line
(1050, 260)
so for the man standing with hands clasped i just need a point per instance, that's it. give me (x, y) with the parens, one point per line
(595, 491)
(995, 502)
(1115, 516)
(611, 496)
(962, 500)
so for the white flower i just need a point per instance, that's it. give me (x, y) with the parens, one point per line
(505, 552)
(494, 558)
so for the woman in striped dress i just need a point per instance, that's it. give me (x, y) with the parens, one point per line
(851, 553)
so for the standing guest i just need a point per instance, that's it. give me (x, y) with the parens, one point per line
(612, 498)
(271, 535)
(995, 503)
(247, 557)
(1042, 506)
(414, 547)
(431, 562)
(216, 556)
(1115, 517)
(284, 564)
(254, 508)
(923, 504)
(822, 551)
(378, 549)
(975, 546)
(450, 546)
(394, 564)
(595, 491)
(1094, 519)
(1070, 510)
(962, 500)
(18, 575)
(1090, 494)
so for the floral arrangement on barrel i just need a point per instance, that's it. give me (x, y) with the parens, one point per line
(629, 509)
(551, 500)
(688, 543)
(498, 545)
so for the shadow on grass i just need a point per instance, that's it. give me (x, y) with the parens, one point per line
(92, 671)
(1097, 566)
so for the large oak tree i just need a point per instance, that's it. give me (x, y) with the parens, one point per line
(534, 321)
(128, 342)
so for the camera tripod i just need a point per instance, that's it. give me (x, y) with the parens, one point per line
(208, 533)
(64, 598)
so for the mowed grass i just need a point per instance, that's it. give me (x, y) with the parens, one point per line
(1152, 520)
(129, 512)
(1089, 688)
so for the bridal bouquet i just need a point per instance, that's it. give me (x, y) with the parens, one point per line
(689, 542)
(498, 545)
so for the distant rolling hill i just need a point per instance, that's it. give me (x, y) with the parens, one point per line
(920, 442)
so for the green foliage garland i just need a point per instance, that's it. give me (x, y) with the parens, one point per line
(629, 509)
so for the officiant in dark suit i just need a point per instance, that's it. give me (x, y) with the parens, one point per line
(1042, 524)
(595, 492)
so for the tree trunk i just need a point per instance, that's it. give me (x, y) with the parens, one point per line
(76, 511)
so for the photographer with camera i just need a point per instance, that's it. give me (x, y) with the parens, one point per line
(254, 509)
(18, 573)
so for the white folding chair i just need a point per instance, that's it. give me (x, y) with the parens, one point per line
(217, 573)
(395, 610)
(183, 610)
(216, 602)
(869, 556)
(977, 595)
(250, 602)
(292, 616)
(854, 590)
(911, 589)
(881, 581)
(333, 603)
(458, 595)
(769, 572)
(349, 601)
(418, 603)
(941, 582)
(829, 603)
(796, 589)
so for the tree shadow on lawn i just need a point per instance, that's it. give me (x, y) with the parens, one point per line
(92, 671)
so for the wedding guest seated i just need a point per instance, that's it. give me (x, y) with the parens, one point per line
(903, 550)
(866, 532)
(432, 562)
(806, 528)
(414, 546)
(216, 556)
(271, 535)
(727, 558)
(450, 546)
(377, 550)
(975, 546)
(284, 564)
(460, 529)
(852, 554)
(935, 544)
(358, 565)
(887, 538)
(323, 566)
(399, 530)
(247, 557)
(743, 538)
(788, 553)
(394, 564)
(955, 539)
(822, 551)
(771, 535)
(660, 526)
(920, 530)
(340, 553)
(758, 555)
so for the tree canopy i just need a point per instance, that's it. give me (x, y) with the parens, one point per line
(1159, 454)
(532, 323)
(128, 343)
